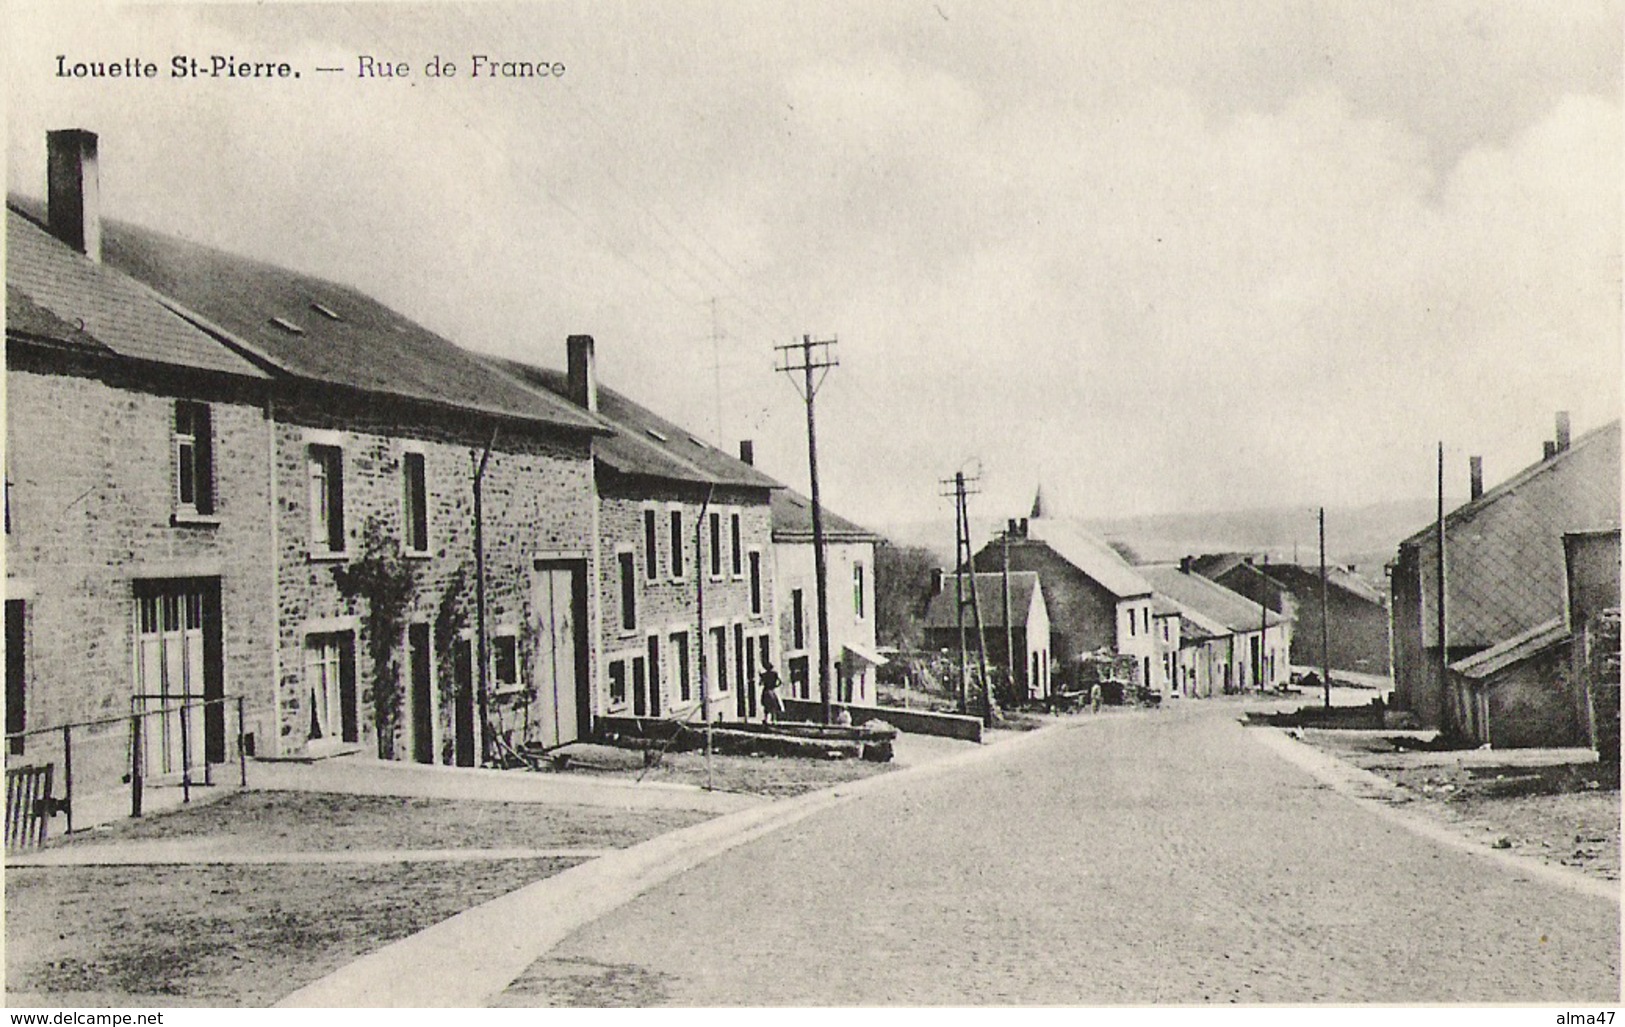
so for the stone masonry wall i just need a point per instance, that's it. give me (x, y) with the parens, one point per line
(538, 501)
(92, 473)
(664, 604)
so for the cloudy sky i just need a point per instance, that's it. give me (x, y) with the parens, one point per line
(1160, 256)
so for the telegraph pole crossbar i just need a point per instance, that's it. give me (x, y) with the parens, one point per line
(805, 358)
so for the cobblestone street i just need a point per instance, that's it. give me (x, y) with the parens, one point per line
(1161, 857)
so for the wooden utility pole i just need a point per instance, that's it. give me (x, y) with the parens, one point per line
(1009, 628)
(1263, 617)
(1325, 636)
(962, 489)
(1444, 652)
(805, 357)
(699, 615)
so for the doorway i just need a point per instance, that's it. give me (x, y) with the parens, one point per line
(558, 604)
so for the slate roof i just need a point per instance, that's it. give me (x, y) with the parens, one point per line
(641, 442)
(1514, 650)
(1090, 555)
(941, 611)
(1467, 511)
(54, 292)
(1504, 551)
(1206, 598)
(792, 521)
(1304, 581)
(311, 328)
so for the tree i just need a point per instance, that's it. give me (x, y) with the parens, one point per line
(387, 582)
(902, 590)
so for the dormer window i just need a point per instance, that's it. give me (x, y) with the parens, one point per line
(287, 326)
(325, 311)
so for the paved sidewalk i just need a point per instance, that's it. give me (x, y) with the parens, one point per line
(467, 960)
(210, 852)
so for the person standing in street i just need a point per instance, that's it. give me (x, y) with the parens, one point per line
(772, 705)
(1096, 696)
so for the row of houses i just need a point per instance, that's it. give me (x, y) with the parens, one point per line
(226, 479)
(1531, 603)
(1074, 599)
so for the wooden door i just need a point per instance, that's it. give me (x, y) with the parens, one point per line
(423, 713)
(558, 624)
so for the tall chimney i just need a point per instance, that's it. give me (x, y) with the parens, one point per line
(938, 576)
(1184, 564)
(73, 197)
(747, 452)
(1548, 449)
(1475, 467)
(1562, 430)
(583, 373)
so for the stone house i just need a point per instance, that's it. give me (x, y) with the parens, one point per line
(1504, 563)
(685, 556)
(1094, 598)
(849, 565)
(1356, 612)
(1255, 639)
(372, 433)
(1534, 689)
(1029, 626)
(136, 506)
(1165, 629)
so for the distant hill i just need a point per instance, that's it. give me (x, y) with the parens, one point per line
(1365, 537)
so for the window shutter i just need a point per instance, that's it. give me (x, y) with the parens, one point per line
(347, 716)
(335, 502)
(203, 448)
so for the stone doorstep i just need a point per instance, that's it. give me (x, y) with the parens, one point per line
(309, 757)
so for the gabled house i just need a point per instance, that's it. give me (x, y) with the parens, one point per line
(1504, 563)
(685, 551)
(1357, 613)
(1535, 689)
(136, 507)
(382, 445)
(1094, 598)
(849, 558)
(1029, 625)
(1165, 629)
(1255, 638)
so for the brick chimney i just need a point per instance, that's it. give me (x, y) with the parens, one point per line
(1185, 564)
(1562, 430)
(73, 196)
(938, 576)
(1548, 449)
(583, 384)
(747, 452)
(1475, 468)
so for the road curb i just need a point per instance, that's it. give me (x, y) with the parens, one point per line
(1376, 793)
(469, 959)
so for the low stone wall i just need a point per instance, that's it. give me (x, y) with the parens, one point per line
(915, 722)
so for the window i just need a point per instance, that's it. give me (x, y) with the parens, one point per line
(679, 665)
(629, 590)
(719, 671)
(505, 674)
(651, 545)
(738, 563)
(716, 546)
(617, 683)
(798, 619)
(330, 686)
(756, 582)
(857, 590)
(677, 544)
(800, 684)
(1145, 619)
(416, 513)
(194, 459)
(326, 467)
(1132, 621)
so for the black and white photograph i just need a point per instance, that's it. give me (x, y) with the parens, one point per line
(869, 506)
